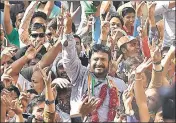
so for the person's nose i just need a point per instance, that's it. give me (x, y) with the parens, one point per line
(99, 62)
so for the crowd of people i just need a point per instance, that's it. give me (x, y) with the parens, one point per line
(117, 65)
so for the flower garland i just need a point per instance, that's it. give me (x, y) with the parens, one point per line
(113, 103)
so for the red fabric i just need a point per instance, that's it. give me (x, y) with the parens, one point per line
(145, 47)
(129, 32)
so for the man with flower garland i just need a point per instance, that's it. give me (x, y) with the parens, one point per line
(92, 82)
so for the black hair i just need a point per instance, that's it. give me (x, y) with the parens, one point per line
(32, 91)
(19, 12)
(35, 101)
(73, 28)
(96, 3)
(2, 86)
(15, 89)
(36, 26)
(102, 48)
(117, 16)
(53, 24)
(76, 36)
(127, 10)
(39, 14)
(165, 49)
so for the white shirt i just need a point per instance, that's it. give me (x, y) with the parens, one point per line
(169, 21)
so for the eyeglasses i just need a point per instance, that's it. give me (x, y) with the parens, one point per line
(49, 34)
(40, 35)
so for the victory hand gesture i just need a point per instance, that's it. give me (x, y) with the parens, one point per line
(143, 66)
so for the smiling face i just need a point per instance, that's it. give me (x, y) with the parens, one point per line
(129, 19)
(115, 23)
(99, 64)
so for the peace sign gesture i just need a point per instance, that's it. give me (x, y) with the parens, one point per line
(155, 52)
(105, 25)
(47, 79)
(73, 13)
(143, 66)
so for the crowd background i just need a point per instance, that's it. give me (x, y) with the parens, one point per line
(87, 61)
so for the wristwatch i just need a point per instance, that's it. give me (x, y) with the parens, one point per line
(47, 102)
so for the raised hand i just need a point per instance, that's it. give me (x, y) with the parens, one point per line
(7, 53)
(23, 100)
(127, 99)
(151, 11)
(139, 8)
(105, 25)
(143, 66)
(47, 79)
(15, 106)
(87, 106)
(155, 52)
(5, 78)
(61, 82)
(73, 13)
(67, 23)
(32, 51)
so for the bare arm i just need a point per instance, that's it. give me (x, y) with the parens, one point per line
(140, 96)
(49, 109)
(48, 7)
(18, 64)
(25, 22)
(141, 100)
(7, 24)
(166, 62)
(50, 56)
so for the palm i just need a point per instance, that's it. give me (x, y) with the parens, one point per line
(151, 9)
(31, 53)
(144, 65)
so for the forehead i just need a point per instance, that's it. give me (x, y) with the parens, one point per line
(99, 54)
(115, 19)
(129, 14)
(40, 30)
(38, 20)
(77, 39)
(36, 74)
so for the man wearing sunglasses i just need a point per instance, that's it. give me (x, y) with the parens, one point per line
(37, 35)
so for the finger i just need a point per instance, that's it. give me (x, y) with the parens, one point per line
(19, 87)
(85, 100)
(153, 44)
(39, 48)
(145, 59)
(75, 12)
(49, 76)
(119, 59)
(101, 17)
(107, 16)
(71, 7)
(60, 85)
(62, 10)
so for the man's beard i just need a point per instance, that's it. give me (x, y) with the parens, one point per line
(102, 74)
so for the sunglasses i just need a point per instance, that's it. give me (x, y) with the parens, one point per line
(40, 35)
